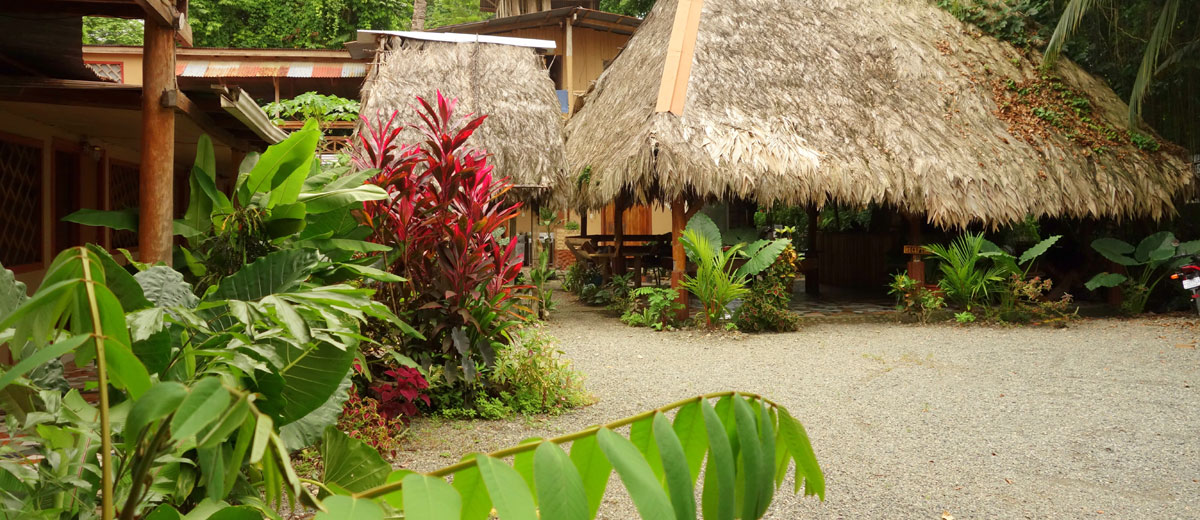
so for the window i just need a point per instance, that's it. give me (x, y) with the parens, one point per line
(113, 71)
(123, 194)
(20, 202)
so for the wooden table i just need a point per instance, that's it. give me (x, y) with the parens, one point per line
(600, 250)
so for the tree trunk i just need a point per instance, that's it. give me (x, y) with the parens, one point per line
(418, 19)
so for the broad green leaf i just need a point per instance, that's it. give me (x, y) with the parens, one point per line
(706, 228)
(199, 213)
(125, 370)
(348, 508)
(1186, 248)
(305, 380)
(523, 463)
(751, 453)
(1105, 280)
(675, 469)
(430, 498)
(510, 495)
(1038, 249)
(123, 285)
(287, 316)
(262, 436)
(121, 220)
(689, 427)
(1156, 247)
(193, 264)
(164, 512)
(807, 469)
(351, 463)
(165, 287)
(642, 436)
(307, 430)
(372, 273)
(594, 468)
(719, 479)
(477, 505)
(358, 246)
(763, 257)
(766, 439)
(203, 405)
(205, 509)
(279, 271)
(237, 513)
(352, 179)
(396, 498)
(219, 431)
(12, 292)
(327, 201)
(212, 469)
(559, 487)
(281, 163)
(1115, 250)
(641, 482)
(40, 357)
(162, 400)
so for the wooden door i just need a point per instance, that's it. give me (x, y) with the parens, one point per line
(638, 220)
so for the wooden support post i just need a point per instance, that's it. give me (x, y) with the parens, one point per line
(157, 199)
(678, 255)
(583, 214)
(812, 275)
(916, 266)
(619, 235)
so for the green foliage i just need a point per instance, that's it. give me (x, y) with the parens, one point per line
(717, 282)
(749, 443)
(578, 275)
(313, 24)
(540, 275)
(964, 317)
(311, 105)
(1143, 141)
(204, 385)
(966, 278)
(652, 307)
(112, 31)
(766, 307)
(637, 8)
(913, 298)
(283, 201)
(534, 378)
(1153, 259)
(1010, 20)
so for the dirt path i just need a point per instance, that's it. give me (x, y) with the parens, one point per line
(1101, 419)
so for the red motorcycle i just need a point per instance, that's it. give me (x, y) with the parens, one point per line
(1189, 275)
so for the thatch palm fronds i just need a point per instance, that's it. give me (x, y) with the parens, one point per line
(523, 131)
(857, 102)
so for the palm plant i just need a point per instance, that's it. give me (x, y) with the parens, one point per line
(1074, 12)
(965, 278)
(716, 283)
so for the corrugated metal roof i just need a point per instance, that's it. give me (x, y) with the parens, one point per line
(268, 69)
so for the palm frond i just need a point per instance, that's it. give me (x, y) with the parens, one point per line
(1072, 14)
(1158, 40)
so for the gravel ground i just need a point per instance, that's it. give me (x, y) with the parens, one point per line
(1095, 420)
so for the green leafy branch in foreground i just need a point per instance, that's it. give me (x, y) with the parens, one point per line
(748, 441)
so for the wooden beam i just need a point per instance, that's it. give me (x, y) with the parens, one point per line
(619, 206)
(677, 71)
(157, 177)
(569, 68)
(678, 255)
(812, 275)
(179, 101)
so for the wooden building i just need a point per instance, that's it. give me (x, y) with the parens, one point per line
(71, 139)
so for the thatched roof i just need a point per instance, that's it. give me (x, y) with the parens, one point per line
(862, 101)
(524, 127)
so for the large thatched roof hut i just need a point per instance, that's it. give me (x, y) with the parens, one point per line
(503, 78)
(893, 102)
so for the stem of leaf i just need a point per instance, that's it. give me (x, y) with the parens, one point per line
(106, 470)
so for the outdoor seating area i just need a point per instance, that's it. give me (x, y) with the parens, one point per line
(599, 259)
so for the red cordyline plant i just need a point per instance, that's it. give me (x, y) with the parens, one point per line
(442, 217)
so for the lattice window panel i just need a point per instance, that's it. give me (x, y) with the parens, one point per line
(122, 194)
(20, 204)
(113, 72)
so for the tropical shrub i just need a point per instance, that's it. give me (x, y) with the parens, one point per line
(540, 277)
(534, 378)
(311, 105)
(200, 399)
(578, 275)
(765, 308)
(744, 444)
(968, 278)
(441, 218)
(1155, 257)
(365, 419)
(717, 282)
(653, 307)
(913, 298)
(282, 200)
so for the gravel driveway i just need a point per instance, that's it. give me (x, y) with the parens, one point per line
(1101, 419)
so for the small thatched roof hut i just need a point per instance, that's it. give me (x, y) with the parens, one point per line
(893, 102)
(506, 81)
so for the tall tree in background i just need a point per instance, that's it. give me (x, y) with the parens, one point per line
(112, 31)
(638, 8)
